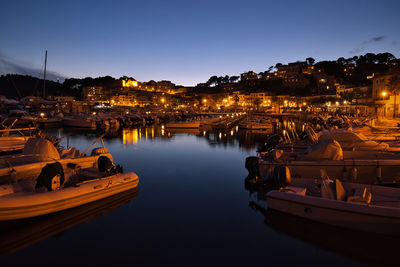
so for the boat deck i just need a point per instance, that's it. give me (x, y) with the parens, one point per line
(381, 196)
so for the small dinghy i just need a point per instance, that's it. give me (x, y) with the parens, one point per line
(72, 188)
(40, 151)
(370, 208)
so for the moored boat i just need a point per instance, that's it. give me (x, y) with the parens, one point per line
(183, 124)
(12, 144)
(16, 204)
(370, 208)
(38, 152)
(80, 122)
(356, 166)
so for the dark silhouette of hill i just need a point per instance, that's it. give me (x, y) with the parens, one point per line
(17, 86)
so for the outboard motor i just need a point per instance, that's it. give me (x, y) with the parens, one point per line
(51, 177)
(104, 164)
(271, 143)
(252, 166)
(278, 177)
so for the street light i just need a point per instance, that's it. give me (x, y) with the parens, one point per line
(384, 93)
(204, 100)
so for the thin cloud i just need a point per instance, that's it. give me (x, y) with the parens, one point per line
(356, 50)
(370, 41)
(374, 40)
(11, 66)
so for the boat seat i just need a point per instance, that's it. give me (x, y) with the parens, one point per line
(70, 153)
(333, 189)
(295, 190)
(360, 196)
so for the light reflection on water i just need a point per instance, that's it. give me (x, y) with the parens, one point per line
(192, 209)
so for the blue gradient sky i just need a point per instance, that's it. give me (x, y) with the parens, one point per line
(188, 41)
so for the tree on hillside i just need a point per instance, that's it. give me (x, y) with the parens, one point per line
(219, 80)
(225, 79)
(233, 79)
(341, 61)
(384, 58)
(310, 61)
(213, 80)
(330, 67)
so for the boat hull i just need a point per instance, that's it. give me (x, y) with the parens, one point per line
(12, 143)
(338, 213)
(27, 205)
(79, 123)
(185, 125)
(360, 171)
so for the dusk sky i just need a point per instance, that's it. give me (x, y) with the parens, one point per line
(186, 42)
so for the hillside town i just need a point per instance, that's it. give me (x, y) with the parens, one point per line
(367, 85)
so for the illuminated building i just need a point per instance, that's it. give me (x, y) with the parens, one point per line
(129, 83)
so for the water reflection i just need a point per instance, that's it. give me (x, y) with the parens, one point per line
(245, 139)
(16, 235)
(366, 248)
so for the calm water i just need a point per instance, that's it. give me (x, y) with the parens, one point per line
(191, 208)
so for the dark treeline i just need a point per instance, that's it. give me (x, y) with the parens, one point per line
(363, 66)
(16, 86)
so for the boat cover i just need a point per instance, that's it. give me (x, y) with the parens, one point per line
(323, 150)
(343, 135)
(353, 140)
(41, 148)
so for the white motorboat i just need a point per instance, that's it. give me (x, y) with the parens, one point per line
(251, 125)
(12, 144)
(80, 122)
(351, 140)
(24, 118)
(50, 122)
(183, 124)
(370, 208)
(46, 194)
(257, 123)
(360, 166)
(38, 152)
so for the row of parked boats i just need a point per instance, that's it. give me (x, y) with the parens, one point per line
(211, 122)
(347, 177)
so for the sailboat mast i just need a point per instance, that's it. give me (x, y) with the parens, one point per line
(44, 78)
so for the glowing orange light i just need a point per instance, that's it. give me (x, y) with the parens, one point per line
(129, 83)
